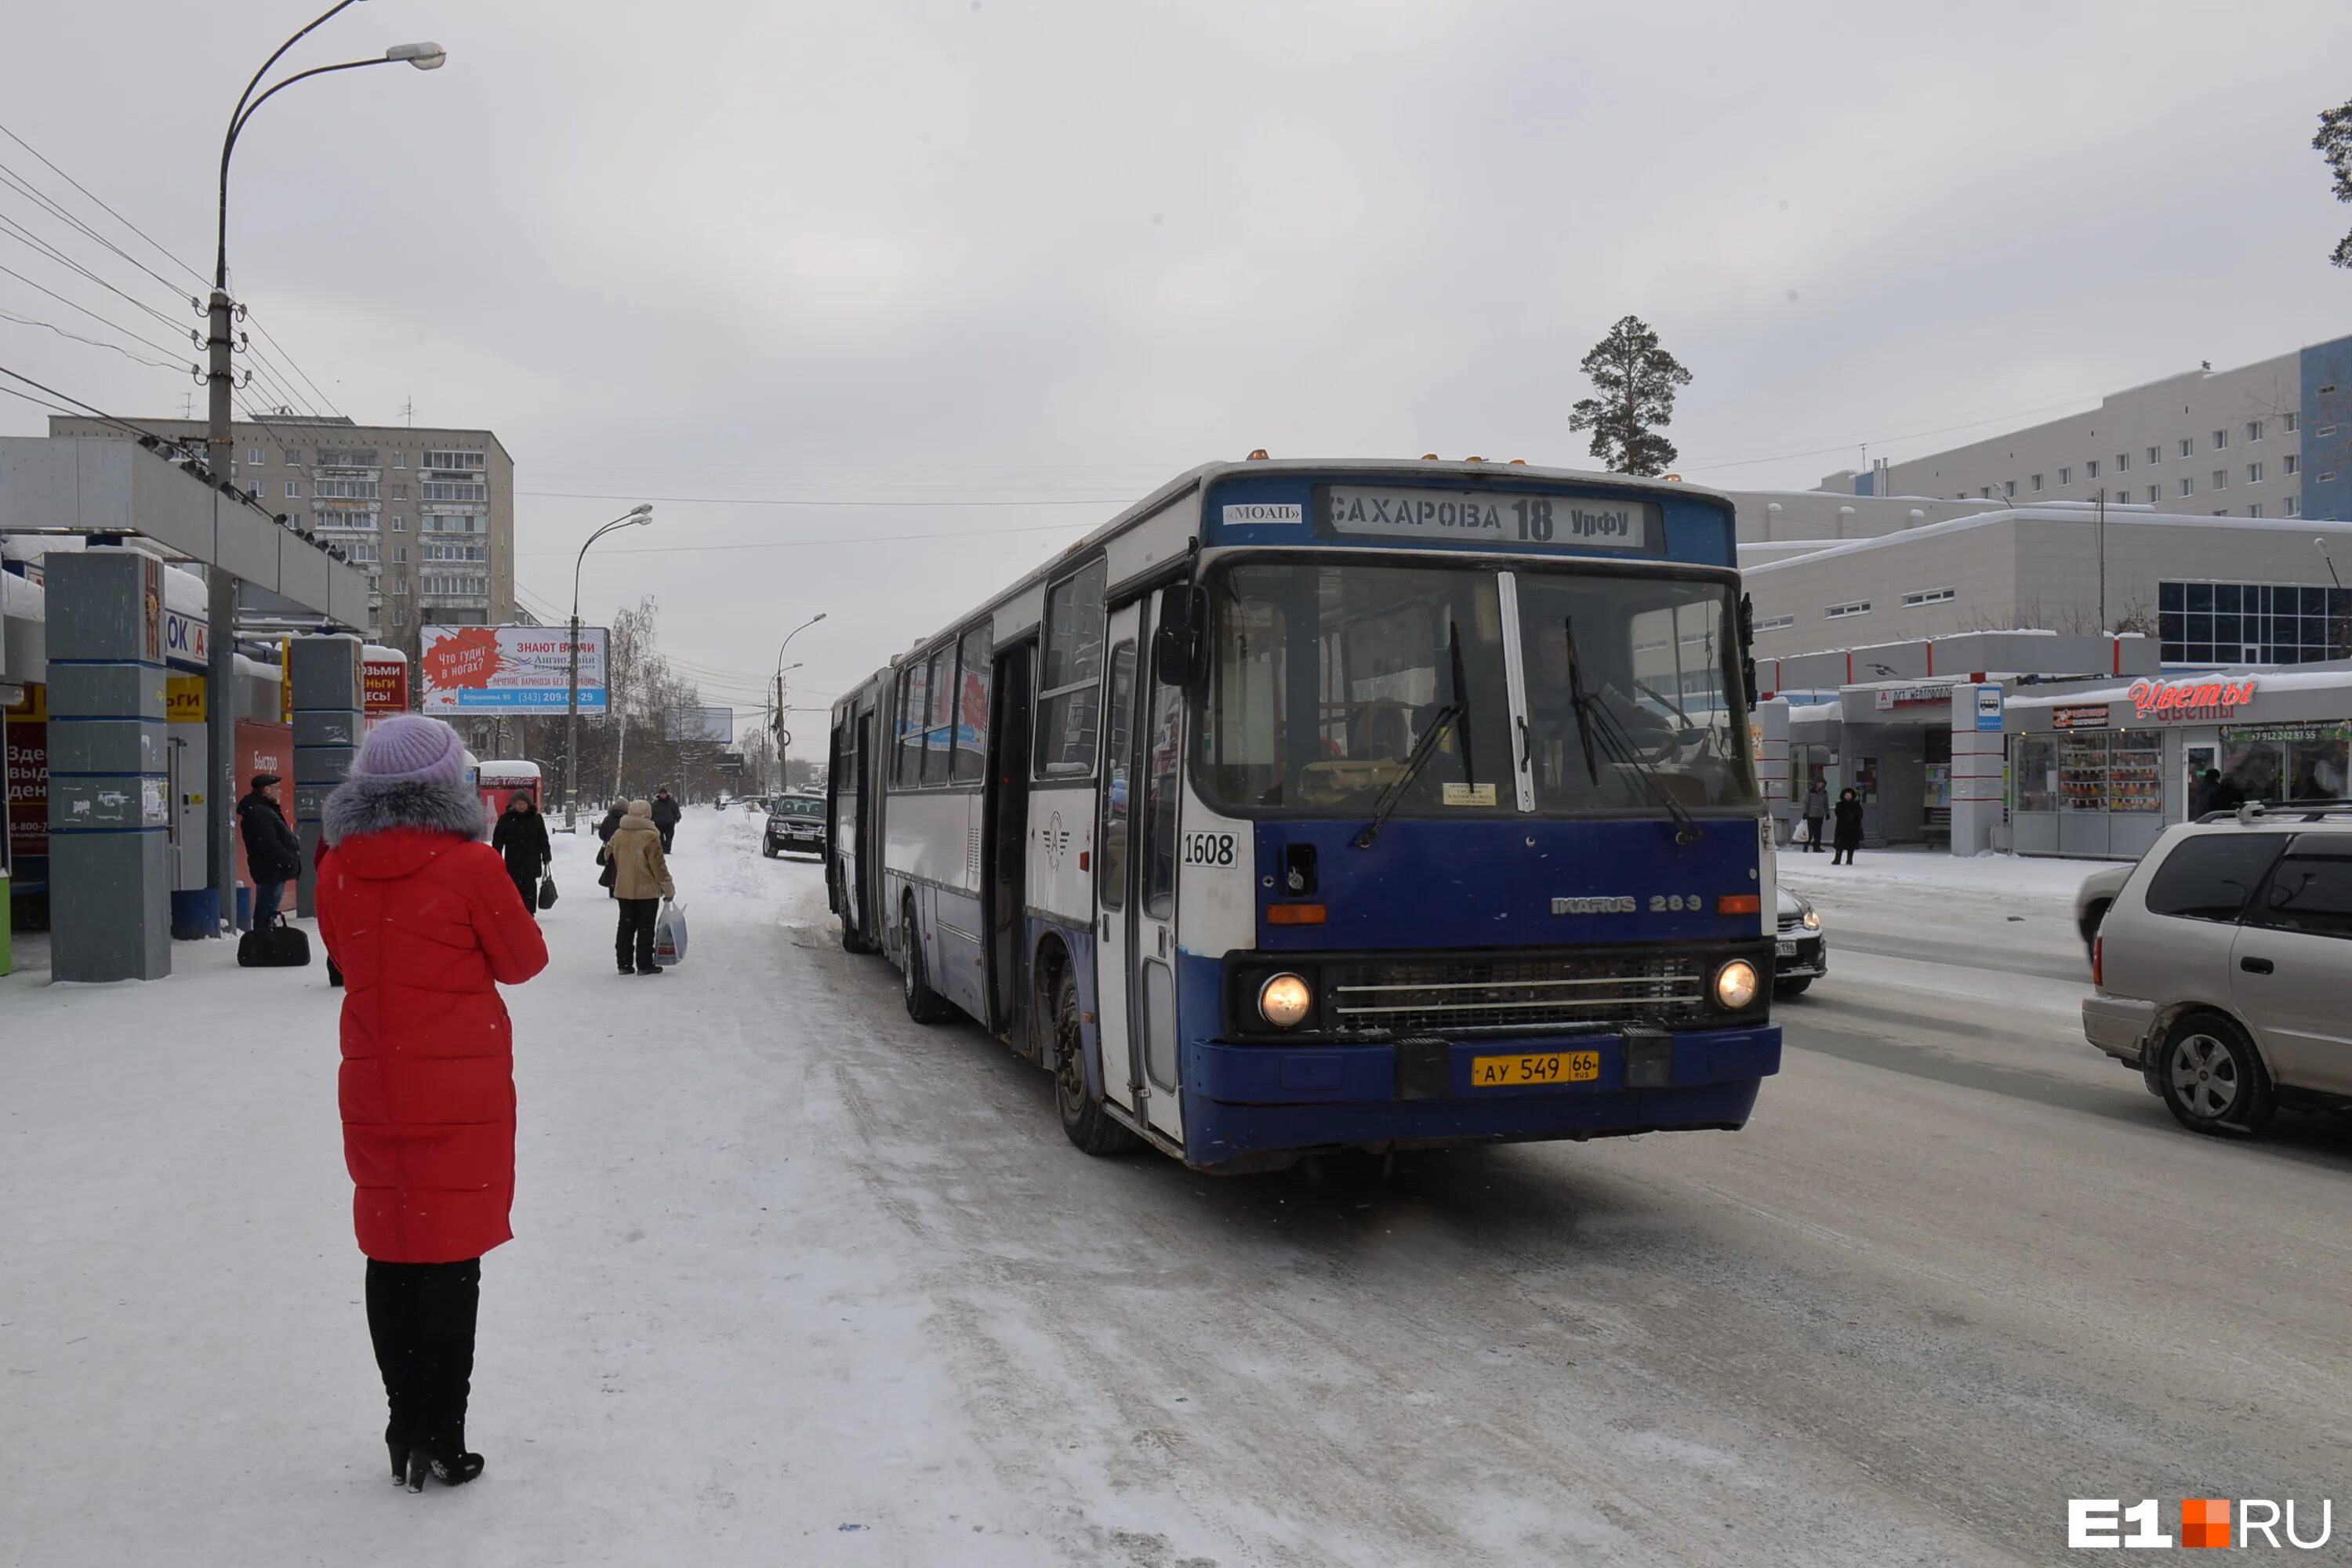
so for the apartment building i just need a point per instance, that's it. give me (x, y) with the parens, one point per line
(427, 512)
(2270, 439)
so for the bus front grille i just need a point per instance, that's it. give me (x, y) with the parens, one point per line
(1458, 995)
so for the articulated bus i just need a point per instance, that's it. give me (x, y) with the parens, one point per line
(1309, 806)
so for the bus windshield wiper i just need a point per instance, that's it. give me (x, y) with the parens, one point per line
(1455, 716)
(1594, 720)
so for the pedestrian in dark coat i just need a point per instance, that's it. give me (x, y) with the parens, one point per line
(665, 814)
(522, 841)
(604, 831)
(425, 925)
(273, 855)
(1849, 826)
(1817, 815)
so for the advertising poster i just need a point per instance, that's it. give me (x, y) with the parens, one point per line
(510, 669)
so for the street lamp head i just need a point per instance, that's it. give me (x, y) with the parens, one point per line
(423, 56)
(643, 508)
(820, 615)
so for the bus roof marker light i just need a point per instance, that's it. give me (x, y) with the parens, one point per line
(1518, 462)
(1257, 455)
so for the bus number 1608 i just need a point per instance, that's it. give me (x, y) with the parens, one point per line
(1208, 848)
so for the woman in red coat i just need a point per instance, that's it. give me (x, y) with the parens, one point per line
(426, 924)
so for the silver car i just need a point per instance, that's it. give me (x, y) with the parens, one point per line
(1803, 953)
(2224, 968)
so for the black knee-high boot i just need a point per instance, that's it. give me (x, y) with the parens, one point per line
(421, 1317)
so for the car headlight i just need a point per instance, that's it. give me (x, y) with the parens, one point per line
(1812, 919)
(1734, 985)
(1284, 1001)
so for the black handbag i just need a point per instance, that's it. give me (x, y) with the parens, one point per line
(273, 946)
(547, 892)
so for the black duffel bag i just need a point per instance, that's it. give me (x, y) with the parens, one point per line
(273, 946)
(547, 892)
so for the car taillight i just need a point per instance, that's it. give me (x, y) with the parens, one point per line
(2098, 960)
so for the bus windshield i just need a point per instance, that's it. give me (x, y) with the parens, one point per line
(1325, 676)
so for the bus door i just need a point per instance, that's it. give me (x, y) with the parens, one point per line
(1135, 949)
(1122, 1066)
(866, 872)
(1005, 849)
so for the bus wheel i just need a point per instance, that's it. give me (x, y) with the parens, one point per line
(924, 1004)
(1084, 1120)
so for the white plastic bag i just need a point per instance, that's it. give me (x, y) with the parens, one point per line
(1803, 833)
(670, 936)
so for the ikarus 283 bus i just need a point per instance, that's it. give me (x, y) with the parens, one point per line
(1319, 805)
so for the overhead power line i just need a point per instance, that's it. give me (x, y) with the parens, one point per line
(810, 543)
(110, 212)
(857, 501)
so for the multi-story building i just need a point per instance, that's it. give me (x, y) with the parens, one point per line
(428, 513)
(2269, 439)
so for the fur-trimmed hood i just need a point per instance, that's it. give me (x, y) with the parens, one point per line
(361, 807)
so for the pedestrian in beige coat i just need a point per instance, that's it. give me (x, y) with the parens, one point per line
(640, 881)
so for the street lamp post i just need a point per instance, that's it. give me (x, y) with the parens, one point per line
(220, 613)
(640, 514)
(783, 771)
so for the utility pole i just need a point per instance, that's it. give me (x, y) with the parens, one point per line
(2101, 499)
(220, 378)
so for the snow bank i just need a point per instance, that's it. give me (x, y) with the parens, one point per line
(2022, 876)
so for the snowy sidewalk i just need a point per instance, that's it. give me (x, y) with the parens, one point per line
(693, 1352)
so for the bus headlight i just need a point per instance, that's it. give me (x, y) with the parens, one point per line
(1284, 1001)
(1734, 985)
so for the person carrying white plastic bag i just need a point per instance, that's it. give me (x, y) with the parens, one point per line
(640, 877)
(669, 935)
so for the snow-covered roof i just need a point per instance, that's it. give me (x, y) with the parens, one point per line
(2075, 512)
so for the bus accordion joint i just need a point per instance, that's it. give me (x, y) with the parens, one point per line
(1295, 914)
(1739, 904)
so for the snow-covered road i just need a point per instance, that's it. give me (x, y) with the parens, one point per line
(797, 1281)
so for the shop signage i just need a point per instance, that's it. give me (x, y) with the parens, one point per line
(27, 746)
(2194, 697)
(1913, 696)
(184, 699)
(2089, 716)
(383, 685)
(184, 638)
(2287, 734)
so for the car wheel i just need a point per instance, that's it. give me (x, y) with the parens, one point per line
(2211, 1079)
(1787, 988)
(1084, 1121)
(924, 1004)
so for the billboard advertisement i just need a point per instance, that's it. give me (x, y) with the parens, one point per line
(509, 670)
(715, 726)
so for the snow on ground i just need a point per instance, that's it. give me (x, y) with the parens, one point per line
(693, 1351)
(2019, 876)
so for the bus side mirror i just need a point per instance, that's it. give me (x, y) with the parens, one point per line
(1177, 644)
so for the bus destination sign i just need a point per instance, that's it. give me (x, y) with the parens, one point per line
(1490, 516)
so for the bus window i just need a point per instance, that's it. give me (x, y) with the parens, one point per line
(1323, 678)
(1069, 688)
(1118, 761)
(1655, 660)
(914, 699)
(1164, 758)
(940, 732)
(971, 717)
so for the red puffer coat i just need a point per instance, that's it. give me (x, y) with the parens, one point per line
(426, 926)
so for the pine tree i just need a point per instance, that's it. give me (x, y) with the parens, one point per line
(2333, 143)
(1636, 380)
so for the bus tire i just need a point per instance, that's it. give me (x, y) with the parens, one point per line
(924, 1004)
(1084, 1120)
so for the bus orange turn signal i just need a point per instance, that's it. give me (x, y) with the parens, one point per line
(1295, 914)
(1739, 904)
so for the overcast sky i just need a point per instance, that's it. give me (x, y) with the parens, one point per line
(1044, 254)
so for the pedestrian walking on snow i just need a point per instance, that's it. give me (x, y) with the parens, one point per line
(641, 881)
(522, 841)
(665, 816)
(273, 855)
(1817, 815)
(425, 925)
(604, 831)
(1849, 827)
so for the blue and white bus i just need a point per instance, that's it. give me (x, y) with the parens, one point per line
(1318, 806)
